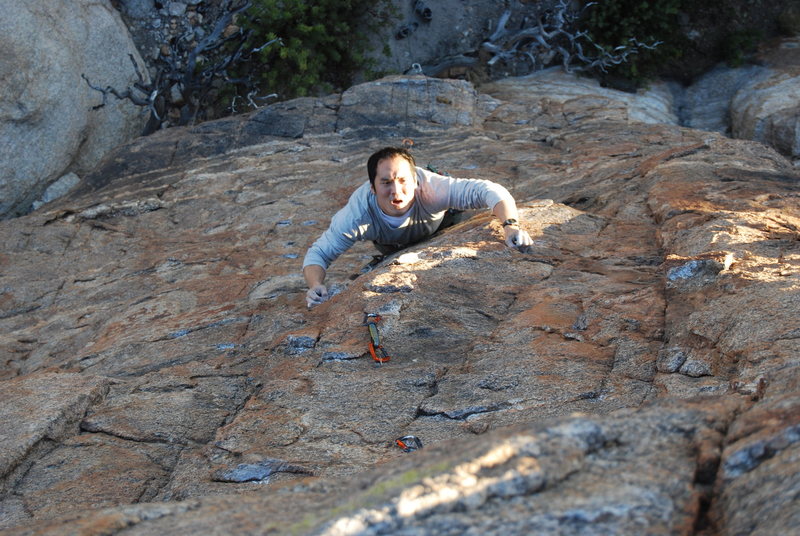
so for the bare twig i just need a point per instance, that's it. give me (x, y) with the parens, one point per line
(186, 74)
(555, 35)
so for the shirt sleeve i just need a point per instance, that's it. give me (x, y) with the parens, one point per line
(346, 227)
(442, 192)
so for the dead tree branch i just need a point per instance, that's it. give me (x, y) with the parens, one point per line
(141, 94)
(555, 35)
(188, 71)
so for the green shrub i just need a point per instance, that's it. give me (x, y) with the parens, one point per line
(789, 20)
(324, 43)
(740, 44)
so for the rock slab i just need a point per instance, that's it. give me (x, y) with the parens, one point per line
(635, 370)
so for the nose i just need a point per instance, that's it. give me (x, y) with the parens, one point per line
(395, 187)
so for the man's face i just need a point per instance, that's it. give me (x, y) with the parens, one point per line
(394, 185)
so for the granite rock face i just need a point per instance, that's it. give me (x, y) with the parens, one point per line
(768, 110)
(636, 371)
(754, 102)
(47, 125)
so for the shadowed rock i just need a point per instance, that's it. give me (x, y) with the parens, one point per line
(48, 127)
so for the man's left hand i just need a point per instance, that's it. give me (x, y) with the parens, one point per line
(517, 238)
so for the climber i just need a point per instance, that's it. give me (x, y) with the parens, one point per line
(399, 206)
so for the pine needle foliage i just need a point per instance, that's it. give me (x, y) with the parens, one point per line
(323, 43)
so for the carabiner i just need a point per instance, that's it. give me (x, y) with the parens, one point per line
(409, 443)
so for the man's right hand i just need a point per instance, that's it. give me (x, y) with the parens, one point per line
(316, 295)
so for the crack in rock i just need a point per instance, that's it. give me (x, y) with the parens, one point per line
(183, 332)
(259, 472)
(464, 413)
(110, 210)
(745, 460)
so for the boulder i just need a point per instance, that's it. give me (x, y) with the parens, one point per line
(635, 372)
(756, 102)
(767, 109)
(654, 104)
(47, 125)
(706, 104)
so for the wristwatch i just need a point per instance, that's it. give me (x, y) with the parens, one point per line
(510, 221)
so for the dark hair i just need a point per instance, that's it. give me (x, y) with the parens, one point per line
(387, 152)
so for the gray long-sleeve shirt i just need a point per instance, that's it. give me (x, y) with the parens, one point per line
(362, 219)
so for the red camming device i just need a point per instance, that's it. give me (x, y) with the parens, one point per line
(408, 443)
(379, 355)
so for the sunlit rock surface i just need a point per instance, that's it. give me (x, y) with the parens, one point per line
(635, 372)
